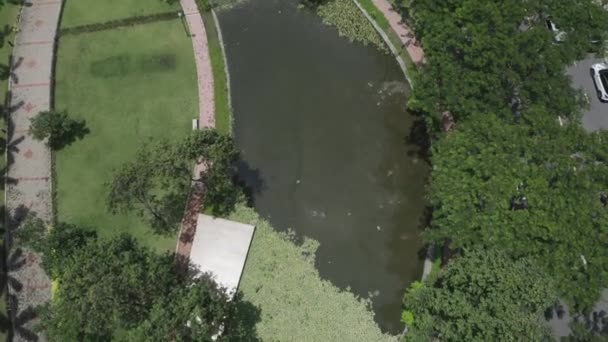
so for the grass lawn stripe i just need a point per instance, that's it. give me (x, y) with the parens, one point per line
(83, 12)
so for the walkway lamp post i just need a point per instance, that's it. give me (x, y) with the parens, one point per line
(180, 14)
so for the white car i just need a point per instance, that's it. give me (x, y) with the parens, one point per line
(599, 72)
(558, 35)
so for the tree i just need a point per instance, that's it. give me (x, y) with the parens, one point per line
(106, 287)
(58, 128)
(482, 296)
(484, 56)
(534, 190)
(219, 156)
(118, 290)
(155, 183)
(136, 186)
(59, 246)
(195, 313)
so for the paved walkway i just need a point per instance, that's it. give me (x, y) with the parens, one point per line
(28, 187)
(206, 98)
(188, 224)
(203, 63)
(402, 29)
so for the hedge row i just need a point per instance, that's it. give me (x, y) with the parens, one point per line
(112, 24)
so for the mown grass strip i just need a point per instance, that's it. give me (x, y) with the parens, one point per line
(223, 110)
(373, 12)
(85, 12)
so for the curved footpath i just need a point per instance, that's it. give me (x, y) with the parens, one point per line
(206, 99)
(28, 184)
(409, 41)
(203, 63)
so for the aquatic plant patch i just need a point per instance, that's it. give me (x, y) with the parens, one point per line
(350, 23)
(280, 278)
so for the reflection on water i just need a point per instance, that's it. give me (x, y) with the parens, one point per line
(323, 129)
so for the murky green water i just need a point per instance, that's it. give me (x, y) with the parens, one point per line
(322, 125)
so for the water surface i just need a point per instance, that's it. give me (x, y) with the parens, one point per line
(322, 125)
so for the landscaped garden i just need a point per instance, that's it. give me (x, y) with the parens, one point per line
(137, 84)
(130, 85)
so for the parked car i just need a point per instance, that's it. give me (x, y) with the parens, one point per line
(558, 35)
(599, 72)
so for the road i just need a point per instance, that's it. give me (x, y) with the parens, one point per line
(596, 117)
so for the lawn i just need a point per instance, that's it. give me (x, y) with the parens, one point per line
(130, 85)
(8, 16)
(82, 12)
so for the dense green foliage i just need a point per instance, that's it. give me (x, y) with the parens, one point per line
(482, 55)
(510, 177)
(104, 287)
(189, 304)
(296, 304)
(480, 297)
(486, 165)
(350, 22)
(58, 128)
(119, 290)
(156, 182)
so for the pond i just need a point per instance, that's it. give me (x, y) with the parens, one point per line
(323, 128)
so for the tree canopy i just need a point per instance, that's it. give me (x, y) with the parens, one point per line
(489, 56)
(510, 177)
(118, 290)
(481, 296)
(155, 183)
(534, 192)
(58, 128)
(104, 287)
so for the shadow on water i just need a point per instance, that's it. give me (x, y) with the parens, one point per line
(250, 180)
(329, 148)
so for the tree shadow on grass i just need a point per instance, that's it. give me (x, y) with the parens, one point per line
(246, 318)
